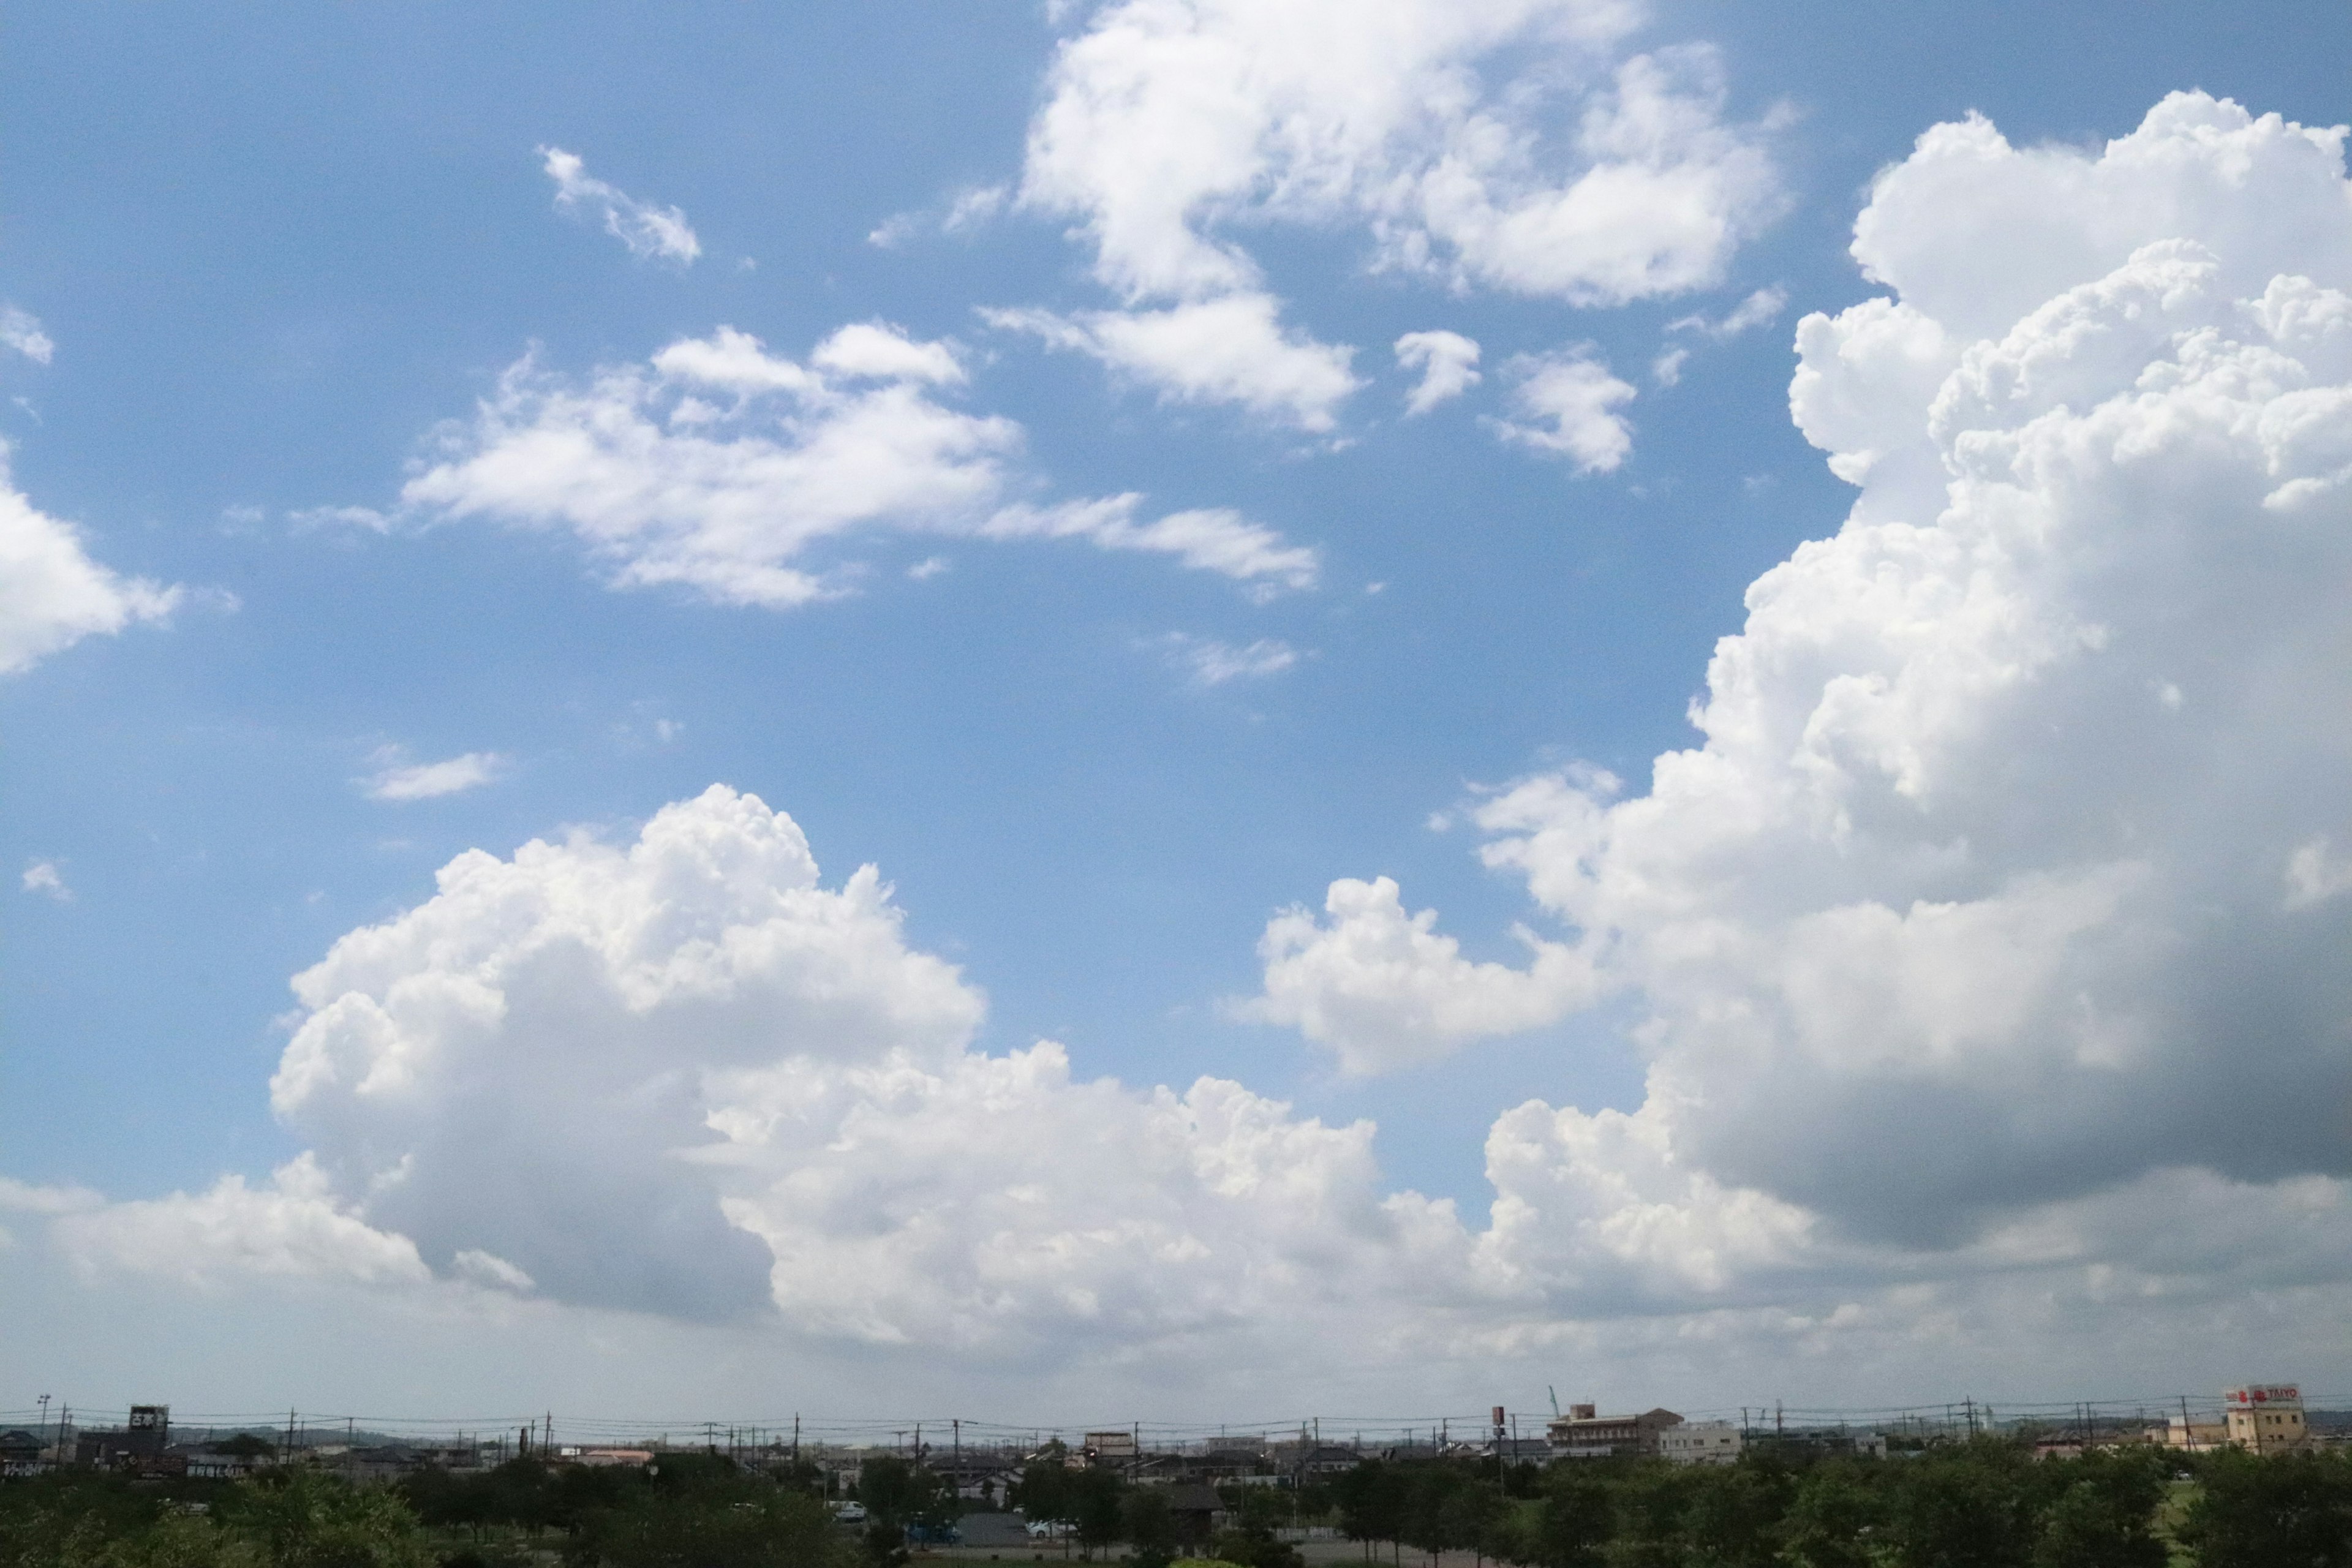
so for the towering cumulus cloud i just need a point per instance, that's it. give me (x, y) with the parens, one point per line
(682, 1076)
(2004, 904)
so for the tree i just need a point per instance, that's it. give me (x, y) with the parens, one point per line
(750, 1525)
(1148, 1525)
(1832, 1518)
(2286, 1511)
(1973, 1505)
(300, 1518)
(2106, 1515)
(1574, 1522)
(1095, 1508)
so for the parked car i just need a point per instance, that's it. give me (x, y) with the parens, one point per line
(1049, 1529)
(849, 1512)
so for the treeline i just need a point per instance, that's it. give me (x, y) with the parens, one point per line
(1986, 1504)
(690, 1512)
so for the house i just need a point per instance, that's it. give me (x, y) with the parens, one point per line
(1582, 1434)
(1197, 1511)
(20, 1453)
(1322, 1461)
(1700, 1443)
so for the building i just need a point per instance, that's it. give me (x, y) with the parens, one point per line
(1321, 1461)
(2266, 1417)
(1110, 1448)
(2190, 1435)
(1700, 1443)
(1582, 1434)
(20, 1454)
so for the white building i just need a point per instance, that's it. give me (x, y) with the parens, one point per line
(1700, 1443)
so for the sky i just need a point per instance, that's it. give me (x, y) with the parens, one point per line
(1174, 708)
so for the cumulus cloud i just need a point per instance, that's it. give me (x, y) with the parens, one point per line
(1989, 997)
(1566, 407)
(1497, 141)
(1502, 144)
(648, 230)
(1384, 990)
(1448, 363)
(719, 467)
(52, 595)
(44, 878)
(399, 780)
(1233, 349)
(680, 1074)
(1996, 918)
(21, 329)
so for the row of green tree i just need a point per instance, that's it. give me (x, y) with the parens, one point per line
(1986, 1504)
(689, 1512)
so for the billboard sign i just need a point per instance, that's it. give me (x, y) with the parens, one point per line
(2262, 1393)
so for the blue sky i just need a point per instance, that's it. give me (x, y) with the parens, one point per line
(277, 251)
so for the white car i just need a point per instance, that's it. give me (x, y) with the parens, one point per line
(1049, 1529)
(849, 1512)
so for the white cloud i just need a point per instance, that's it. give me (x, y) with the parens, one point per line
(1958, 952)
(294, 1226)
(1666, 370)
(648, 230)
(719, 467)
(1502, 144)
(52, 595)
(43, 877)
(681, 1075)
(1208, 540)
(1384, 990)
(1448, 363)
(1985, 1030)
(1494, 141)
(21, 329)
(1567, 405)
(1213, 663)
(1758, 310)
(1233, 349)
(398, 781)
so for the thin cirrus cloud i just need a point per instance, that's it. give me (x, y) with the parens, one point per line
(650, 232)
(397, 780)
(1418, 123)
(722, 468)
(1944, 939)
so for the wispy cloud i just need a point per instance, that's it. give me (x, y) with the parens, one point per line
(1758, 310)
(43, 877)
(397, 780)
(648, 230)
(21, 330)
(1213, 663)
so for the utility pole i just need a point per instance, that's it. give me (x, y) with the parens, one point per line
(45, 1421)
(796, 1437)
